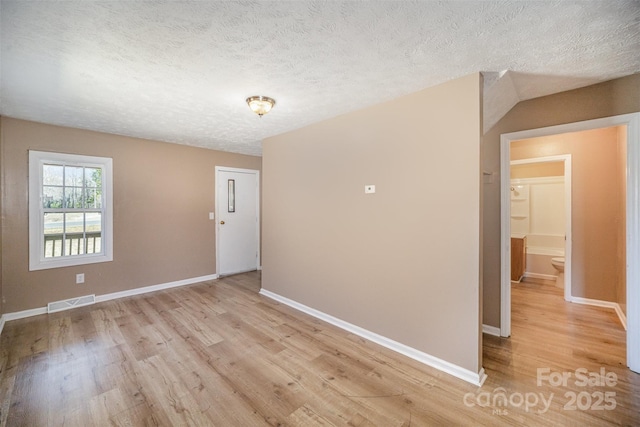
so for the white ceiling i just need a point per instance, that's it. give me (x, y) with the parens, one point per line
(180, 71)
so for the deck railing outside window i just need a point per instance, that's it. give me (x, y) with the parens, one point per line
(75, 244)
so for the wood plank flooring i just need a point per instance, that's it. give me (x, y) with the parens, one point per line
(549, 333)
(217, 353)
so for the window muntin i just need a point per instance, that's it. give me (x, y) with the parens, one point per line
(70, 210)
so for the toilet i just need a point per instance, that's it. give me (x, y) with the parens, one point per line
(558, 264)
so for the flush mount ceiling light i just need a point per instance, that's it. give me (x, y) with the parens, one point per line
(260, 105)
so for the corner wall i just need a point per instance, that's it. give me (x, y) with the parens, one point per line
(615, 97)
(162, 195)
(404, 262)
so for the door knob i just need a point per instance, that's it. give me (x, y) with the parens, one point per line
(221, 222)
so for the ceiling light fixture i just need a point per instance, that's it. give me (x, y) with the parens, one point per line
(260, 105)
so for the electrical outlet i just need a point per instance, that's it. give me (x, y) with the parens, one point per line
(79, 278)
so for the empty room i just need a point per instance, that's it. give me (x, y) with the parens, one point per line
(345, 213)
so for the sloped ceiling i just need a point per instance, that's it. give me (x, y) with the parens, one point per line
(180, 71)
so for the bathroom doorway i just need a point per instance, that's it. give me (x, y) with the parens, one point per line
(631, 125)
(541, 214)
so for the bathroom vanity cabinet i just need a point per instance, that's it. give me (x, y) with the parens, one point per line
(518, 257)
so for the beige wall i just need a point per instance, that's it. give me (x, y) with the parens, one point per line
(537, 170)
(611, 98)
(403, 262)
(595, 206)
(162, 195)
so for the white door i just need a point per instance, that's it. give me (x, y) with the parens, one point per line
(238, 222)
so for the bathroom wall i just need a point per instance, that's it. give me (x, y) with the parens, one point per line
(547, 206)
(596, 201)
(546, 194)
(611, 98)
(520, 209)
(537, 170)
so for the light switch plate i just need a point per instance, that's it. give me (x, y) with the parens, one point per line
(369, 189)
(79, 278)
(212, 215)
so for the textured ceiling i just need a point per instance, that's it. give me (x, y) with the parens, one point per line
(180, 71)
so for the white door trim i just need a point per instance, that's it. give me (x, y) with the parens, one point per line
(632, 122)
(218, 208)
(566, 159)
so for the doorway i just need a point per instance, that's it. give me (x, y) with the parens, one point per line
(632, 124)
(545, 231)
(238, 220)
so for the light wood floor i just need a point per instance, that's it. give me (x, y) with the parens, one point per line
(217, 353)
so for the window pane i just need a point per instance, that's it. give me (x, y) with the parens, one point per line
(94, 222)
(74, 233)
(99, 198)
(52, 197)
(93, 177)
(73, 197)
(74, 223)
(53, 223)
(53, 234)
(90, 198)
(94, 232)
(52, 175)
(93, 198)
(73, 176)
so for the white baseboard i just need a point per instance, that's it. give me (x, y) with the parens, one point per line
(106, 297)
(491, 330)
(621, 316)
(153, 288)
(606, 304)
(24, 313)
(540, 276)
(455, 370)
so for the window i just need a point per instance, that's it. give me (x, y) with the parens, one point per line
(70, 210)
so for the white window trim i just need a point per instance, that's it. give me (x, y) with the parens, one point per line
(37, 261)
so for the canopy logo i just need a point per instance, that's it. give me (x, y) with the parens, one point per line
(500, 401)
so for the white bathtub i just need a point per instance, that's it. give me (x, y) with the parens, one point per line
(540, 249)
